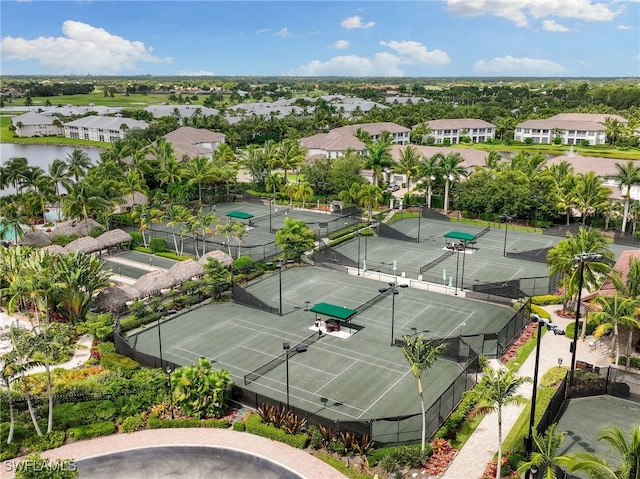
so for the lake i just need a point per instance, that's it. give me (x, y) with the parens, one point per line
(40, 155)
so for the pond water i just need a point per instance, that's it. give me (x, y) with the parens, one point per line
(40, 155)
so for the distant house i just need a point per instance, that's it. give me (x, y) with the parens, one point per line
(194, 141)
(571, 128)
(34, 124)
(101, 128)
(180, 111)
(337, 141)
(452, 131)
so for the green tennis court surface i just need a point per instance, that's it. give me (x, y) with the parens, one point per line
(361, 376)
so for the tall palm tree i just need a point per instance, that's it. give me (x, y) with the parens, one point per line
(304, 193)
(78, 162)
(451, 170)
(352, 195)
(378, 158)
(564, 194)
(613, 129)
(199, 171)
(545, 457)
(626, 466)
(59, 174)
(421, 356)
(201, 226)
(429, 171)
(273, 182)
(616, 310)
(12, 217)
(83, 200)
(627, 176)
(408, 164)
(177, 216)
(169, 172)
(13, 172)
(500, 389)
(231, 230)
(146, 215)
(590, 194)
(290, 155)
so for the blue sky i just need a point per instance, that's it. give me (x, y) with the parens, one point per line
(568, 38)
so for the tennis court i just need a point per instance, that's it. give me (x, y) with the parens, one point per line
(360, 376)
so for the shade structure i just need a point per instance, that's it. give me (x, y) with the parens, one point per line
(337, 312)
(80, 228)
(460, 235)
(55, 249)
(185, 271)
(241, 215)
(113, 299)
(86, 244)
(153, 282)
(221, 256)
(35, 238)
(114, 237)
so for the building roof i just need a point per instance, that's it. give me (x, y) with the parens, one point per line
(373, 128)
(32, 118)
(338, 312)
(185, 111)
(459, 123)
(193, 136)
(107, 123)
(471, 156)
(332, 141)
(571, 121)
(221, 256)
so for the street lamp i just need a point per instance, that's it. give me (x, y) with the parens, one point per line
(358, 233)
(287, 348)
(170, 392)
(558, 331)
(393, 287)
(507, 219)
(160, 339)
(580, 260)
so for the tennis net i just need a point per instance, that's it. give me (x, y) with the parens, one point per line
(277, 212)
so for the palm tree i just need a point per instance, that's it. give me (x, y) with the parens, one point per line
(78, 162)
(145, 216)
(352, 195)
(59, 174)
(613, 129)
(408, 164)
(545, 458)
(273, 182)
(616, 310)
(627, 176)
(201, 226)
(12, 217)
(232, 229)
(177, 215)
(590, 194)
(370, 196)
(500, 389)
(14, 171)
(199, 171)
(304, 193)
(290, 189)
(200, 390)
(627, 466)
(451, 169)
(421, 356)
(84, 200)
(290, 155)
(378, 158)
(565, 193)
(133, 182)
(429, 170)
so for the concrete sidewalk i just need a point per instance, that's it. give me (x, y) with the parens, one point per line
(482, 446)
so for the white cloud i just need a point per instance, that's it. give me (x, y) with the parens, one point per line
(518, 10)
(517, 67)
(380, 64)
(283, 33)
(624, 27)
(263, 30)
(412, 53)
(355, 22)
(552, 26)
(340, 44)
(197, 73)
(83, 48)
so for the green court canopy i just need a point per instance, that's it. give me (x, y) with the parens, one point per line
(333, 310)
(241, 215)
(459, 235)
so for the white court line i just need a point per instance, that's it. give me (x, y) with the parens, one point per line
(336, 377)
(385, 392)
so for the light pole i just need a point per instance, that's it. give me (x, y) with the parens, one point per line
(358, 233)
(457, 263)
(507, 219)
(393, 287)
(170, 392)
(528, 444)
(160, 340)
(287, 347)
(419, 216)
(580, 260)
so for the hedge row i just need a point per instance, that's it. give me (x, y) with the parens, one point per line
(154, 422)
(68, 415)
(546, 299)
(254, 425)
(92, 430)
(540, 312)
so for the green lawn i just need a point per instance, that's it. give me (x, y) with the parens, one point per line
(97, 98)
(604, 151)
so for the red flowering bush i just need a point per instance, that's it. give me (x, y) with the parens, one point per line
(528, 333)
(442, 456)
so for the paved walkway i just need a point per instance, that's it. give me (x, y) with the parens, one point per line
(481, 447)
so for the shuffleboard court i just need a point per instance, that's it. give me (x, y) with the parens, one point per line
(147, 259)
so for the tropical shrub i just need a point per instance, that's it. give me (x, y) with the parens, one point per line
(50, 440)
(239, 426)
(546, 299)
(34, 467)
(157, 245)
(122, 364)
(132, 423)
(92, 430)
(254, 425)
(155, 422)
(201, 391)
(69, 415)
(242, 263)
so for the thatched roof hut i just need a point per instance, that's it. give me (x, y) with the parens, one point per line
(131, 200)
(80, 228)
(35, 238)
(153, 282)
(55, 249)
(114, 237)
(185, 271)
(87, 244)
(113, 299)
(221, 256)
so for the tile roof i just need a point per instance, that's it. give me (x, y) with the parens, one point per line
(459, 123)
(107, 122)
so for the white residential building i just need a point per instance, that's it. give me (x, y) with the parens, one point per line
(571, 128)
(451, 131)
(102, 128)
(33, 124)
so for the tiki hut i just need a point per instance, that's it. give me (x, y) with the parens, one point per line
(131, 200)
(185, 271)
(114, 298)
(80, 228)
(221, 256)
(35, 238)
(116, 237)
(86, 244)
(55, 249)
(153, 282)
